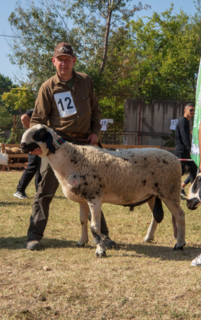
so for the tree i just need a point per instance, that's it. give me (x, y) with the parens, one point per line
(5, 82)
(156, 59)
(21, 98)
(112, 12)
(5, 116)
(39, 29)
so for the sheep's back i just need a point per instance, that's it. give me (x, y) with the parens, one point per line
(132, 170)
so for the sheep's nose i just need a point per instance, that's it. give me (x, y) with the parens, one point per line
(23, 146)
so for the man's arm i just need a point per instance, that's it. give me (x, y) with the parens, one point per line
(25, 119)
(42, 108)
(95, 117)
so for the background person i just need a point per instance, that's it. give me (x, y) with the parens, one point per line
(68, 103)
(183, 145)
(33, 167)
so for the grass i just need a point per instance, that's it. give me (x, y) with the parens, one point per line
(136, 281)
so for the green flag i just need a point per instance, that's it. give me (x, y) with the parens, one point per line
(195, 151)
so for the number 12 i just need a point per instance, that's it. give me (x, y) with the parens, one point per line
(68, 104)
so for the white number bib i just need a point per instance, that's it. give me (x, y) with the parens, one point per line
(65, 103)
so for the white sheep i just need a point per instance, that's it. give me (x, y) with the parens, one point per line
(91, 176)
(194, 194)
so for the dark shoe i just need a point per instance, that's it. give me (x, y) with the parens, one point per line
(33, 245)
(21, 195)
(183, 194)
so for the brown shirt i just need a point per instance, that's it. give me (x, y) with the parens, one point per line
(68, 110)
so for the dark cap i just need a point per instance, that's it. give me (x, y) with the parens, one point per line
(63, 49)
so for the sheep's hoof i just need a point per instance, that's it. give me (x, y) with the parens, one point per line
(179, 248)
(80, 245)
(101, 254)
(146, 239)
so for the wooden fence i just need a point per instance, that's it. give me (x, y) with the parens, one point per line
(11, 156)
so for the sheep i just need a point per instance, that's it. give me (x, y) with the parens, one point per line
(194, 194)
(13, 151)
(90, 176)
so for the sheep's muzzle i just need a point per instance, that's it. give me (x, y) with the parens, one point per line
(29, 147)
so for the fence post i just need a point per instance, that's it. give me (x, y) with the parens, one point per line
(139, 122)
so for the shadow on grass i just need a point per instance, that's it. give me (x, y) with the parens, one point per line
(60, 197)
(162, 252)
(17, 243)
(129, 250)
(10, 203)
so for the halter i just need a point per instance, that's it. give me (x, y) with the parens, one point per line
(58, 143)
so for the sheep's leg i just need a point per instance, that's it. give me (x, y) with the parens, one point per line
(84, 208)
(95, 208)
(179, 219)
(153, 224)
(174, 226)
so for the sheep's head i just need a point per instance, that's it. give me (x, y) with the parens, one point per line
(38, 136)
(194, 194)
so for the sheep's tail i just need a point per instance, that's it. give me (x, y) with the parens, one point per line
(158, 210)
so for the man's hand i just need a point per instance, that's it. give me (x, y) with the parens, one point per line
(93, 138)
(36, 152)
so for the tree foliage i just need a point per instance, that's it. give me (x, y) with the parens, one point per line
(39, 29)
(156, 59)
(21, 98)
(5, 114)
(5, 82)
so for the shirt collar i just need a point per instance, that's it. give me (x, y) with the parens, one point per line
(76, 78)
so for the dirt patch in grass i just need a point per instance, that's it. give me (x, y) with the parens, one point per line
(136, 281)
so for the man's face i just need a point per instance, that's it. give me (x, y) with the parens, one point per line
(190, 111)
(64, 66)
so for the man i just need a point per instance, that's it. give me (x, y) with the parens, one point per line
(183, 145)
(33, 167)
(68, 103)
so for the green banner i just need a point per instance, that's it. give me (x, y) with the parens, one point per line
(195, 152)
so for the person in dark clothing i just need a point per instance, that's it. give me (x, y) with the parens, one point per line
(183, 145)
(33, 167)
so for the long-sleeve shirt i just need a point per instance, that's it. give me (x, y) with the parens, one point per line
(68, 109)
(182, 135)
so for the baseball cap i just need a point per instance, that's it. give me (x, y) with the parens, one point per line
(63, 49)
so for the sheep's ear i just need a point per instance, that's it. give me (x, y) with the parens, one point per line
(40, 135)
(49, 140)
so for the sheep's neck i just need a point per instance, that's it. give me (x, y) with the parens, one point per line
(62, 160)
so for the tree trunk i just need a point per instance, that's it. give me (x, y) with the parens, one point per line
(107, 31)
